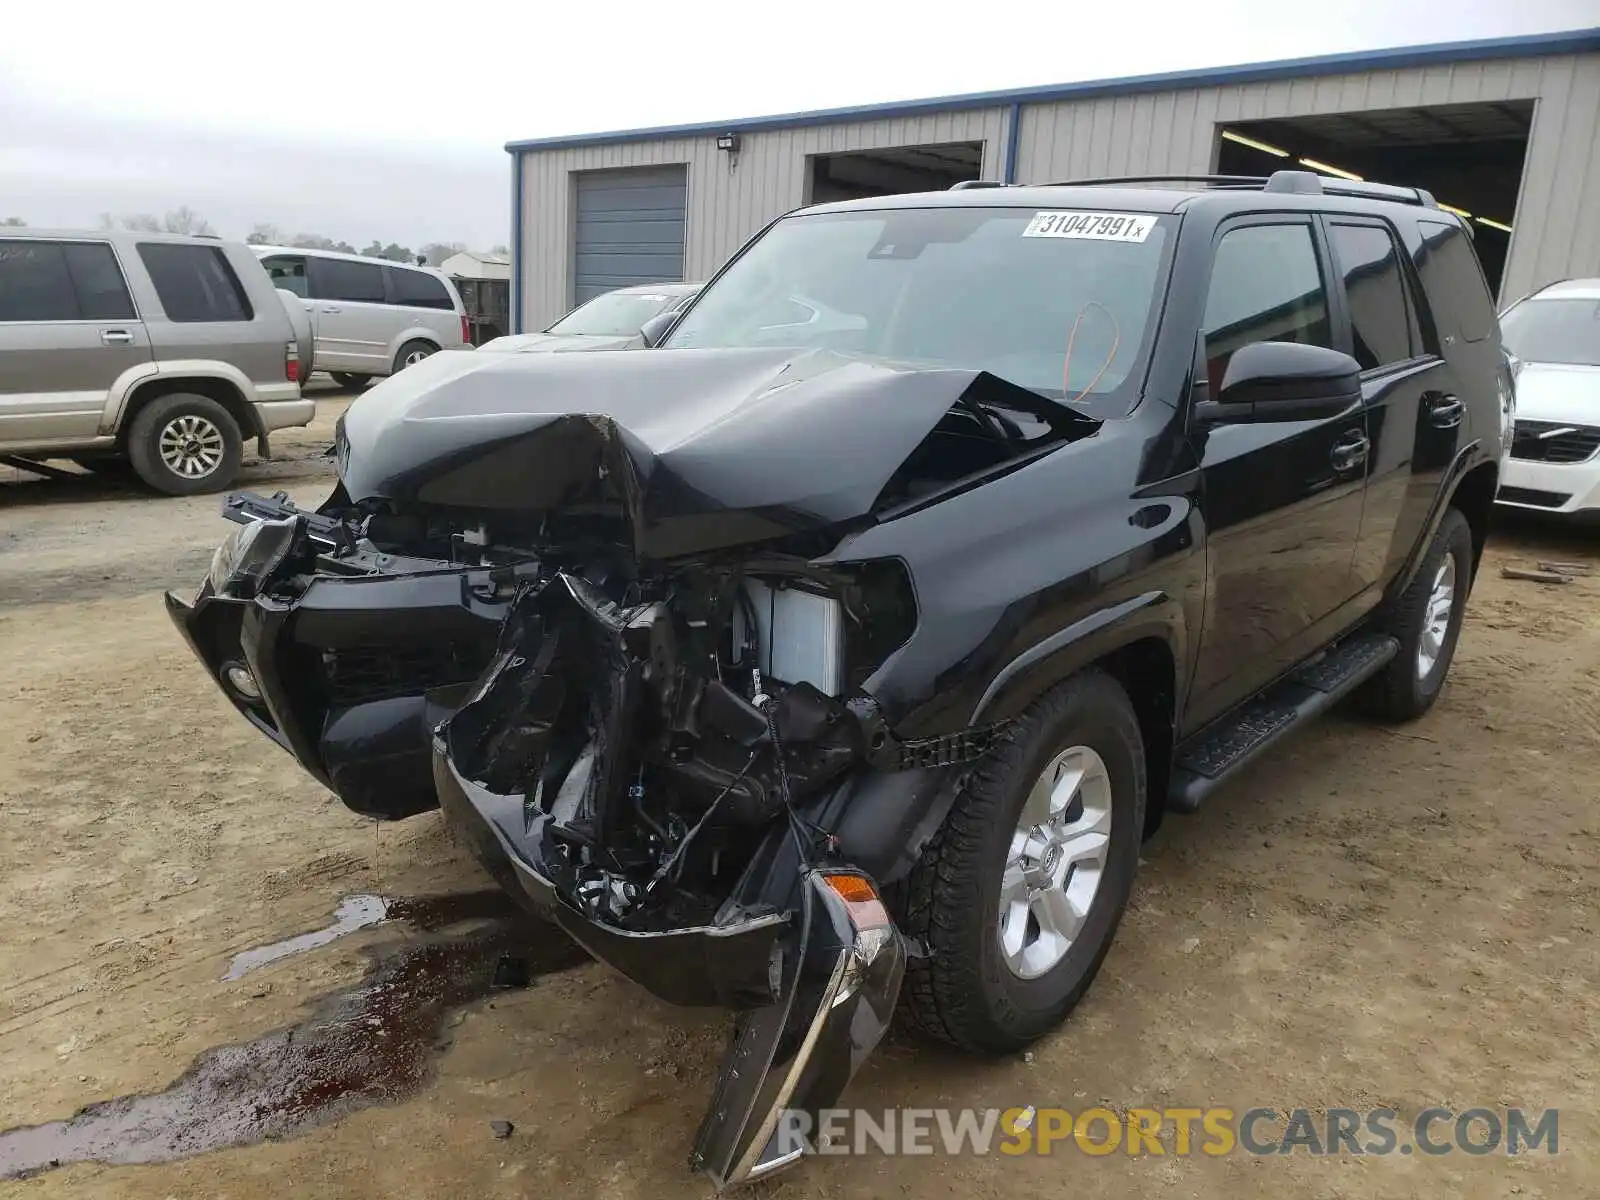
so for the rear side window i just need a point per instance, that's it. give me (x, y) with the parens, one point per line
(35, 284)
(1266, 286)
(1382, 324)
(336, 279)
(1454, 282)
(418, 289)
(195, 283)
(97, 280)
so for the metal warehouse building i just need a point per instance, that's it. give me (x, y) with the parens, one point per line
(1506, 130)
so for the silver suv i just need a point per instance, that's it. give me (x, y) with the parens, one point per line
(371, 317)
(145, 349)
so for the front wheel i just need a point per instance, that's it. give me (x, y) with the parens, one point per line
(1019, 894)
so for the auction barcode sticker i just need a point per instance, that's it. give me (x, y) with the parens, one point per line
(1096, 226)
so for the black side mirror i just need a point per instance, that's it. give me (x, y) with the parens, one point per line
(653, 330)
(1284, 381)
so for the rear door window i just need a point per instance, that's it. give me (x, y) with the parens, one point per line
(418, 289)
(195, 283)
(1453, 278)
(35, 284)
(1382, 322)
(337, 279)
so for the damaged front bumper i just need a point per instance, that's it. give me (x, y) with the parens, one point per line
(349, 670)
(809, 959)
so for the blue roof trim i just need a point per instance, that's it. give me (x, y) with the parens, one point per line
(1573, 41)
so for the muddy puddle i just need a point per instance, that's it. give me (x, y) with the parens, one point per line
(375, 1043)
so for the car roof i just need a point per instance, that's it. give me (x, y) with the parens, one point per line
(1570, 289)
(339, 254)
(103, 235)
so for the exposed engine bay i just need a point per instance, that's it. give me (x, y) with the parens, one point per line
(639, 662)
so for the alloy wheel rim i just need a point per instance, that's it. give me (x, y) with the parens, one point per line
(415, 357)
(1436, 618)
(1055, 863)
(191, 446)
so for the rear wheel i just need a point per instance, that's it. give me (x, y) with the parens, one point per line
(411, 354)
(1427, 621)
(184, 445)
(1019, 894)
(350, 381)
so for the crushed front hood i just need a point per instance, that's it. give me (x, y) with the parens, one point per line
(695, 449)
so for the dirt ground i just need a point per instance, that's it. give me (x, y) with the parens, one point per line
(1376, 917)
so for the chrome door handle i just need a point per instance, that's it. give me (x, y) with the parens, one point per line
(116, 337)
(1349, 453)
(331, 309)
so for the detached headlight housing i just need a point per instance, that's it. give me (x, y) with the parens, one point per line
(246, 560)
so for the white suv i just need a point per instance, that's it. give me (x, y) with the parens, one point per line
(371, 317)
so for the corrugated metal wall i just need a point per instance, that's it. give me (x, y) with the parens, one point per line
(1557, 219)
(1558, 214)
(726, 206)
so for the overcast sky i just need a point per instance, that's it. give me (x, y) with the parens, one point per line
(387, 121)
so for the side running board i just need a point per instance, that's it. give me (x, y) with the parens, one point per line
(1215, 754)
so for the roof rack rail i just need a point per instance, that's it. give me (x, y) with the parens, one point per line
(962, 185)
(1309, 183)
(1299, 183)
(1225, 180)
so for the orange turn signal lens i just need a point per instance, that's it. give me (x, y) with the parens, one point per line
(861, 900)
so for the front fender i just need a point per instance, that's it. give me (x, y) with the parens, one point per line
(1154, 615)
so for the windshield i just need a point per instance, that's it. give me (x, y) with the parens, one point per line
(615, 314)
(1006, 290)
(1554, 331)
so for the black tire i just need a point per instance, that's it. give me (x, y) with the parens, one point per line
(350, 382)
(964, 993)
(1402, 691)
(166, 415)
(410, 349)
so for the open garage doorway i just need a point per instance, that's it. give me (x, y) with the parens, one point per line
(1469, 156)
(885, 172)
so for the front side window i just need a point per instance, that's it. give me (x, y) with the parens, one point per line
(1266, 286)
(1060, 302)
(35, 284)
(337, 279)
(613, 314)
(1381, 322)
(418, 289)
(1554, 330)
(289, 273)
(195, 283)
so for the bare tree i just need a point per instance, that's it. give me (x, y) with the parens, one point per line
(503, 251)
(317, 241)
(13, 221)
(184, 219)
(142, 222)
(263, 234)
(437, 252)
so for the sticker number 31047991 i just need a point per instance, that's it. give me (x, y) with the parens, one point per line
(1096, 226)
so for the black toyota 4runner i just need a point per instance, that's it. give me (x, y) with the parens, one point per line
(835, 652)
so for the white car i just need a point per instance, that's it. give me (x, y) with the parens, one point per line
(371, 317)
(1553, 337)
(609, 321)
